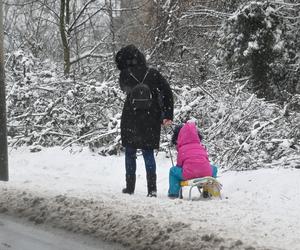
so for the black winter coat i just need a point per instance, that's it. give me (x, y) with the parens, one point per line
(141, 129)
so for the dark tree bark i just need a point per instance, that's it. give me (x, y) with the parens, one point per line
(3, 130)
(64, 18)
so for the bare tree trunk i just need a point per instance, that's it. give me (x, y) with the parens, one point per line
(77, 42)
(64, 8)
(3, 130)
(112, 27)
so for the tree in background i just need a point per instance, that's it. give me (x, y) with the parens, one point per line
(64, 22)
(3, 136)
(66, 31)
(259, 41)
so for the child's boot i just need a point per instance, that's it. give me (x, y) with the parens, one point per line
(130, 184)
(151, 184)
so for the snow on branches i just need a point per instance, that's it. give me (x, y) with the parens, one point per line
(46, 109)
(261, 40)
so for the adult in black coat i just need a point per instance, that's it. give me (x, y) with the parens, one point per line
(140, 129)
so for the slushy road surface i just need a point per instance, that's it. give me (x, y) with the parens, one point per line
(21, 235)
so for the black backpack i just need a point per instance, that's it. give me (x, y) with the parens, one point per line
(140, 95)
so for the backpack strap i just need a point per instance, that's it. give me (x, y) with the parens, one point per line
(132, 75)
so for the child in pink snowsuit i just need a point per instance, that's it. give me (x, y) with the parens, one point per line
(192, 159)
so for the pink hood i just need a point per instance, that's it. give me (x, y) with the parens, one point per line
(192, 155)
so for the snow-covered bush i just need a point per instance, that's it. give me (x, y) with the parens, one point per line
(45, 109)
(261, 42)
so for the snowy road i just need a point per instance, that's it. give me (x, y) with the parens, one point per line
(15, 235)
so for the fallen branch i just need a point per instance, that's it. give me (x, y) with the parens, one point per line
(78, 139)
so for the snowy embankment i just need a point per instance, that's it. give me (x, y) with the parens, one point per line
(82, 193)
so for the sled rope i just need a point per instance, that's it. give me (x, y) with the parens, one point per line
(168, 145)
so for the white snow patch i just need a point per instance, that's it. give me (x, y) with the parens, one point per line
(251, 46)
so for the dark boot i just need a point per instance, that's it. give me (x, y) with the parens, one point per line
(151, 184)
(130, 184)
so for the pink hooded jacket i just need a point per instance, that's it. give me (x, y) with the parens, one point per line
(192, 155)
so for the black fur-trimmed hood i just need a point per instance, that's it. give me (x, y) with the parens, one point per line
(129, 56)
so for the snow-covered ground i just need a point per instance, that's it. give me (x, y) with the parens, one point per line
(81, 192)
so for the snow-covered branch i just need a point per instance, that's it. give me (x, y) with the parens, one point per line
(80, 13)
(91, 53)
